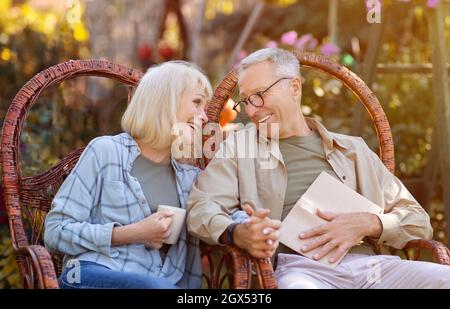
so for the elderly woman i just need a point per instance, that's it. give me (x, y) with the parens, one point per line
(104, 218)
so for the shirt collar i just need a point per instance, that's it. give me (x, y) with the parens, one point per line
(327, 138)
(128, 140)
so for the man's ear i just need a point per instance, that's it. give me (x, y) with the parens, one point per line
(296, 87)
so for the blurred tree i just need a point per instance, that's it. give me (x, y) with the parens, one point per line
(32, 40)
(405, 41)
(123, 27)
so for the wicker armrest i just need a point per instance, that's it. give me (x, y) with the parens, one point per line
(39, 271)
(237, 264)
(265, 272)
(241, 265)
(441, 253)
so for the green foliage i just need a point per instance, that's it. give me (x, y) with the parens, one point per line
(30, 41)
(9, 273)
(24, 32)
(406, 99)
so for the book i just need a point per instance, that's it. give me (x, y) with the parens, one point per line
(326, 193)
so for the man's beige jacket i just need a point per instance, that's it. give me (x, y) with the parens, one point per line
(234, 177)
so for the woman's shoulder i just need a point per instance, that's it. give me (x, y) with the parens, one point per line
(107, 144)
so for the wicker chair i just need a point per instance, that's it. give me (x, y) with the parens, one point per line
(28, 199)
(223, 91)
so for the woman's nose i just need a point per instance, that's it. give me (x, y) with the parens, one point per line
(203, 116)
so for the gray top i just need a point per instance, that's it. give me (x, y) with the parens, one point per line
(158, 182)
(305, 159)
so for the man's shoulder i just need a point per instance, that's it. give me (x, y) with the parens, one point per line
(349, 141)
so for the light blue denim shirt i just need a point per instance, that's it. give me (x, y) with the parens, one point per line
(100, 193)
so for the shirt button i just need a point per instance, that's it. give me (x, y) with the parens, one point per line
(344, 178)
(328, 158)
(142, 202)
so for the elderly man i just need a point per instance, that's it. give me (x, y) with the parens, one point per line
(270, 89)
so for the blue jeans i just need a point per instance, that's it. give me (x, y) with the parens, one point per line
(95, 276)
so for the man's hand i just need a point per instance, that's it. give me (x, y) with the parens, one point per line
(340, 233)
(259, 235)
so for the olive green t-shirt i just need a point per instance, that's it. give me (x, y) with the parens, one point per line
(158, 182)
(304, 158)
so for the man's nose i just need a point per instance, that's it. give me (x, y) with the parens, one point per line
(251, 110)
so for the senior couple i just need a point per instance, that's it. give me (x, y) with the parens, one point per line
(105, 215)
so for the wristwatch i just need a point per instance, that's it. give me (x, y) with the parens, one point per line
(229, 240)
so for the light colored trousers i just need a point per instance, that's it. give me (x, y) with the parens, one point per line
(358, 271)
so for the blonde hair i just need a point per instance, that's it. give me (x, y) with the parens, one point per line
(153, 108)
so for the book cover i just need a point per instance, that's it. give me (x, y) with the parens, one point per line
(326, 193)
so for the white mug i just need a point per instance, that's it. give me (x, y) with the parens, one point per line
(177, 223)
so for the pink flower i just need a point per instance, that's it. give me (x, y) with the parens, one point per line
(241, 55)
(312, 44)
(301, 42)
(272, 44)
(289, 38)
(433, 3)
(329, 49)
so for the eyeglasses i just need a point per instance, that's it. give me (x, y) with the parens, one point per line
(255, 99)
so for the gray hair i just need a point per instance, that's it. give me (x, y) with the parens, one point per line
(286, 64)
